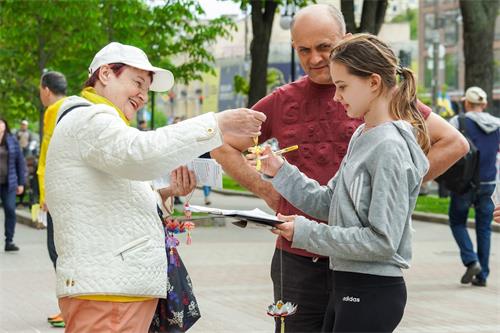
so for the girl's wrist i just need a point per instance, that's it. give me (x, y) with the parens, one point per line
(277, 166)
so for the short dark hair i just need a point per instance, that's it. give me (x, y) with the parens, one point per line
(7, 129)
(55, 81)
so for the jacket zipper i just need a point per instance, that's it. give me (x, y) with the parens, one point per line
(132, 246)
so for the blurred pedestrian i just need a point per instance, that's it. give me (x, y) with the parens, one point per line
(143, 125)
(24, 137)
(206, 189)
(483, 130)
(12, 180)
(112, 265)
(52, 90)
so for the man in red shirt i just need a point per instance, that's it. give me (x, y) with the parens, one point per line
(304, 113)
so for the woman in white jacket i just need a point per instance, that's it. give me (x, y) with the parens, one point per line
(112, 263)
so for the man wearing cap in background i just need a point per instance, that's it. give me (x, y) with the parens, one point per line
(112, 265)
(483, 130)
(24, 137)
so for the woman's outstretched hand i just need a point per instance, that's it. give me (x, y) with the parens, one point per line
(182, 182)
(270, 165)
(286, 228)
(240, 122)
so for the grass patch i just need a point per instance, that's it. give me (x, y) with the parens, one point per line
(180, 213)
(436, 205)
(229, 183)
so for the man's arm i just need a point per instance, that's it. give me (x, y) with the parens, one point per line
(447, 146)
(234, 164)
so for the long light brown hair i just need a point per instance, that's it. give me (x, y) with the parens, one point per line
(364, 55)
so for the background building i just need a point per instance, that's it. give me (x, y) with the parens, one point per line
(232, 55)
(451, 70)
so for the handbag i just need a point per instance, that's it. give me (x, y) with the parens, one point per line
(179, 311)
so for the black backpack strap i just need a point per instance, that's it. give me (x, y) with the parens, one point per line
(461, 120)
(69, 110)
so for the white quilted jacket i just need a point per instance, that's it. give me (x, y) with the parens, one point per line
(107, 232)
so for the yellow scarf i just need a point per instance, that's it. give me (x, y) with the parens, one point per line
(91, 95)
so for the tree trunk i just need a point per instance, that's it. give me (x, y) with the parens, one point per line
(347, 8)
(478, 31)
(372, 16)
(262, 24)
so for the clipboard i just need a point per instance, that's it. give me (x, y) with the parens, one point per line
(255, 217)
(245, 221)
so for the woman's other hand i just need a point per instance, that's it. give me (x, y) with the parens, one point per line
(19, 190)
(240, 122)
(496, 214)
(286, 228)
(269, 165)
(182, 182)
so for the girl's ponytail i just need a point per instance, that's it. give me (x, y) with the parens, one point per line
(404, 106)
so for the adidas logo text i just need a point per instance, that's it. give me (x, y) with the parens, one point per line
(351, 299)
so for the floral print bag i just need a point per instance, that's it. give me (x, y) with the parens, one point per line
(179, 311)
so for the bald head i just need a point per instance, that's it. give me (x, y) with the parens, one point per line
(322, 14)
(315, 31)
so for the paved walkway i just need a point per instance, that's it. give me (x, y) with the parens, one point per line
(229, 267)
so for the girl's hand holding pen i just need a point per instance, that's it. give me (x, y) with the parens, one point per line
(270, 165)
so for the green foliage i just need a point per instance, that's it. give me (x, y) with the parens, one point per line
(273, 79)
(424, 96)
(410, 16)
(241, 85)
(65, 35)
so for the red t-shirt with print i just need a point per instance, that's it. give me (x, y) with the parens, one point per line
(304, 113)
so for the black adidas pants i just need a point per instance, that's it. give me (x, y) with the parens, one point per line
(365, 303)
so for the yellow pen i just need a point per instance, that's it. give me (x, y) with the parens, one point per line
(281, 151)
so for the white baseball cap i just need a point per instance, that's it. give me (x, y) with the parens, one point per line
(115, 52)
(476, 95)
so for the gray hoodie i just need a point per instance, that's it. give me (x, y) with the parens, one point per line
(368, 203)
(484, 120)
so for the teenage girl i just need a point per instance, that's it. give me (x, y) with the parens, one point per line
(369, 202)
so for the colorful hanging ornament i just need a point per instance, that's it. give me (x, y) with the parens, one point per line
(173, 226)
(281, 309)
(188, 226)
(187, 210)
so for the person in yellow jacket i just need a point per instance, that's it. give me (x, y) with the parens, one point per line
(53, 87)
